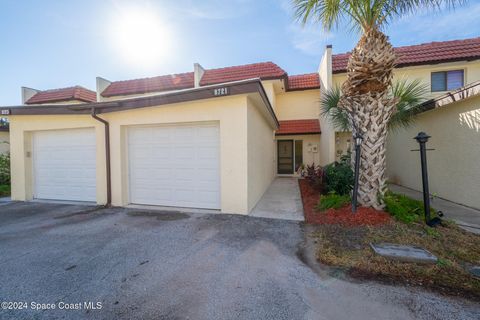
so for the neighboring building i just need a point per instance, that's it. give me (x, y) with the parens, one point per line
(211, 138)
(454, 123)
(4, 140)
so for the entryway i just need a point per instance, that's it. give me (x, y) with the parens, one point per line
(282, 200)
(289, 156)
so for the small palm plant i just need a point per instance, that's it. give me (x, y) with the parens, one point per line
(409, 96)
(367, 96)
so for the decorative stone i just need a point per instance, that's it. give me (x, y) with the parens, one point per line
(403, 253)
(475, 271)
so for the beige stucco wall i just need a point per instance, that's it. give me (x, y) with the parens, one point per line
(294, 105)
(327, 141)
(454, 166)
(309, 140)
(4, 142)
(261, 154)
(271, 92)
(21, 129)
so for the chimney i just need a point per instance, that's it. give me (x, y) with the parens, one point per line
(198, 72)
(325, 69)
(102, 84)
(27, 93)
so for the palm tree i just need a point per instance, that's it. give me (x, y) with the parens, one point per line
(366, 95)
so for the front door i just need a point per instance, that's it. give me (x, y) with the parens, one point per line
(285, 156)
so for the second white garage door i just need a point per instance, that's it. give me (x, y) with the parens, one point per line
(175, 166)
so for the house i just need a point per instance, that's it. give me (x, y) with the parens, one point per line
(210, 138)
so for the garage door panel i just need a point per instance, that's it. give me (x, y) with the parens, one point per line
(178, 167)
(64, 165)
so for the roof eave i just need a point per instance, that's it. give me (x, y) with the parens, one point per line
(297, 133)
(206, 92)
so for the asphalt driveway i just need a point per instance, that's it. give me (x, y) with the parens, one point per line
(139, 264)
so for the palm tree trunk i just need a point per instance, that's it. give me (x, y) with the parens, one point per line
(365, 97)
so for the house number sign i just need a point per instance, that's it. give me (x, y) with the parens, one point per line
(220, 91)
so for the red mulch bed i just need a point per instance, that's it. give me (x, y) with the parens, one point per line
(343, 216)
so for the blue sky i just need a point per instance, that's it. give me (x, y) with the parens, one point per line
(51, 44)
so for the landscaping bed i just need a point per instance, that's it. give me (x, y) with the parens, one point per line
(344, 239)
(342, 216)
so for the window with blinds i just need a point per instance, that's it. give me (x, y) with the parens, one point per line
(447, 80)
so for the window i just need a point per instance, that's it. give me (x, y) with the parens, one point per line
(447, 80)
(298, 154)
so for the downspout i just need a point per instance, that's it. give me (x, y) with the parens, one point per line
(107, 155)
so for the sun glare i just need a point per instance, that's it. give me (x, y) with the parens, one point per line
(140, 37)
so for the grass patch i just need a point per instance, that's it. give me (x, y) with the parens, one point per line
(4, 190)
(405, 209)
(457, 250)
(332, 200)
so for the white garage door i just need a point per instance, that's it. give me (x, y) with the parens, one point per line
(64, 165)
(175, 166)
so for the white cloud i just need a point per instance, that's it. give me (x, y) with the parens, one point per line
(460, 23)
(309, 39)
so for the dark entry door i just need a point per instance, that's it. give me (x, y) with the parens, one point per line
(285, 156)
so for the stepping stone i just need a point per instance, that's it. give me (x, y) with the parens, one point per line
(403, 253)
(475, 271)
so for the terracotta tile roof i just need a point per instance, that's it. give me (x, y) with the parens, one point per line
(145, 85)
(305, 126)
(303, 81)
(263, 70)
(63, 94)
(427, 53)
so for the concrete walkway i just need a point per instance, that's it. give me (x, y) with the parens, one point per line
(465, 217)
(282, 200)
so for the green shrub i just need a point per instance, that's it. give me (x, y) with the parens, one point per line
(338, 177)
(332, 200)
(403, 208)
(4, 190)
(5, 169)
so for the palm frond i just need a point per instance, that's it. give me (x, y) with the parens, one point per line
(329, 108)
(363, 14)
(409, 94)
(327, 12)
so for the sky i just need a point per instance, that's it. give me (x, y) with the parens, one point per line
(59, 43)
